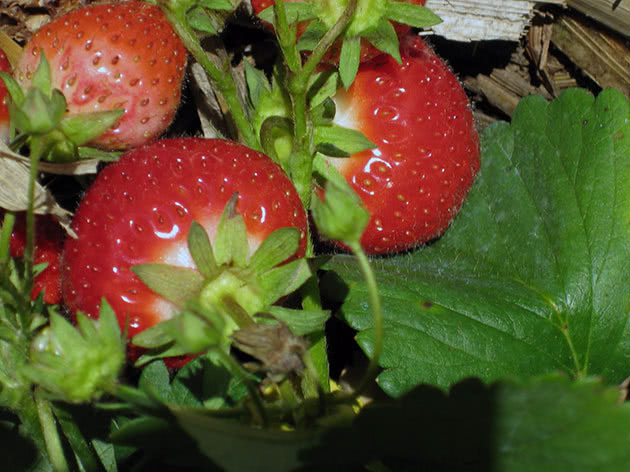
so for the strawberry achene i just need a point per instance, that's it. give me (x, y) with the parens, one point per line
(139, 210)
(415, 180)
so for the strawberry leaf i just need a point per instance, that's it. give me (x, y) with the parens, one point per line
(80, 129)
(42, 78)
(349, 60)
(230, 244)
(177, 284)
(275, 249)
(532, 276)
(257, 83)
(200, 249)
(199, 19)
(384, 38)
(547, 424)
(347, 140)
(412, 15)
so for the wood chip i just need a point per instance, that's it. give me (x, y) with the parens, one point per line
(481, 20)
(601, 54)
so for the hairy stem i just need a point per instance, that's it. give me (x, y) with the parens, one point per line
(377, 320)
(36, 151)
(51, 435)
(5, 236)
(301, 168)
(221, 79)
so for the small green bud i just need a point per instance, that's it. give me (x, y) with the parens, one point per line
(77, 364)
(341, 216)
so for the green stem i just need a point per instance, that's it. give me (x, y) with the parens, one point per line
(5, 236)
(222, 79)
(286, 37)
(29, 250)
(301, 166)
(51, 435)
(329, 38)
(377, 314)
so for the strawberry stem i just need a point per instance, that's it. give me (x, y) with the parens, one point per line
(223, 80)
(301, 166)
(51, 434)
(286, 38)
(5, 236)
(29, 250)
(377, 317)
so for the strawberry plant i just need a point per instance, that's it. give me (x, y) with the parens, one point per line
(4, 110)
(328, 269)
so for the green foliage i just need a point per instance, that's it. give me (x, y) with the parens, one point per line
(531, 277)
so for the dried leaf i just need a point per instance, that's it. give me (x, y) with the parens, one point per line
(14, 178)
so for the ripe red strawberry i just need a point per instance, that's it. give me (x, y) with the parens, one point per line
(140, 209)
(49, 239)
(415, 180)
(368, 51)
(113, 56)
(4, 109)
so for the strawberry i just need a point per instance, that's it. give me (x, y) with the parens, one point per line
(49, 240)
(113, 56)
(414, 182)
(140, 209)
(329, 15)
(4, 109)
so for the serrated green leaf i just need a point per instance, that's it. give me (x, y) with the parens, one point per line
(384, 38)
(531, 276)
(275, 249)
(199, 20)
(347, 140)
(200, 249)
(230, 243)
(412, 14)
(176, 284)
(155, 381)
(349, 60)
(547, 425)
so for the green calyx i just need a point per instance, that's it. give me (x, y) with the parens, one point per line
(367, 14)
(65, 363)
(40, 112)
(227, 287)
